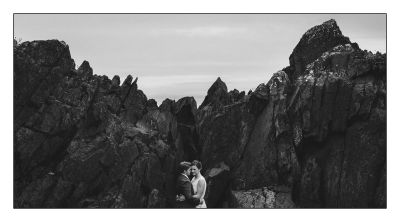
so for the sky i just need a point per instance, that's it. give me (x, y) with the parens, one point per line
(178, 55)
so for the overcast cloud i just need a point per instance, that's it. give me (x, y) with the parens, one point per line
(177, 55)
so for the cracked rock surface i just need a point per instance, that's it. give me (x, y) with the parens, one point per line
(314, 135)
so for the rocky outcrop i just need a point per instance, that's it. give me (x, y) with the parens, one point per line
(317, 127)
(314, 135)
(339, 123)
(82, 140)
(313, 43)
(250, 138)
(217, 95)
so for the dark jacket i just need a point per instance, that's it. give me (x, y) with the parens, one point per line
(184, 187)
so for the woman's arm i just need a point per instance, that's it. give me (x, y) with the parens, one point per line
(201, 185)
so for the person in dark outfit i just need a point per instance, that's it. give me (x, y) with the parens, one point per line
(184, 187)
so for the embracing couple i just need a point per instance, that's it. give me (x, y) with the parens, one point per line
(190, 193)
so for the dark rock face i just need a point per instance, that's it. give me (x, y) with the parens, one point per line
(313, 43)
(317, 127)
(314, 135)
(251, 138)
(38, 67)
(81, 140)
(339, 113)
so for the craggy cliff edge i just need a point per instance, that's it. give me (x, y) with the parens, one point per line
(314, 135)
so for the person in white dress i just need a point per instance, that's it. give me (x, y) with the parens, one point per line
(199, 183)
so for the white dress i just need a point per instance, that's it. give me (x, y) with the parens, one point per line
(194, 184)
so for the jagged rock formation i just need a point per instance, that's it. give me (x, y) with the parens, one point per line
(339, 128)
(82, 140)
(314, 135)
(318, 127)
(313, 43)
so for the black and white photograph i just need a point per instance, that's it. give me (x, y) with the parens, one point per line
(203, 110)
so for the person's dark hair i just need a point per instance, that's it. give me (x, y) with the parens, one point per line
(197, 164)
(183, 166)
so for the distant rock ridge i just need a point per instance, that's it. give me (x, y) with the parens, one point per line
(314, 135)
(218, 95)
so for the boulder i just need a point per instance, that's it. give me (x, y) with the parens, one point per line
(267, 197)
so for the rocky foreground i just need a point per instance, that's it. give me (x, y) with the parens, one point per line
(313, 136)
